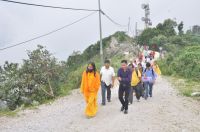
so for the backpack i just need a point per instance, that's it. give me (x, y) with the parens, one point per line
(151, 70)
(138, 70)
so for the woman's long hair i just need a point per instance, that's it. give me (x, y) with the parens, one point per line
(94, 68)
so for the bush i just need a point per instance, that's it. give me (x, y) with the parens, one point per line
(186, 64)
(38, 78)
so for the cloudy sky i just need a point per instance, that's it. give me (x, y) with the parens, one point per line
(19, 23)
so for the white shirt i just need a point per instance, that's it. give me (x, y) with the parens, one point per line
(148, 60)
(107, 75)
(143, 64)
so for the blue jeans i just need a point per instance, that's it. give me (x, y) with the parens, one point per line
(104, 89)
(148, 89)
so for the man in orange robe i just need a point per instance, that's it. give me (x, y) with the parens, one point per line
(89, 88)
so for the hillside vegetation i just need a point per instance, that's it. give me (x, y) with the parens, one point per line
(183, 52)
(41, 77)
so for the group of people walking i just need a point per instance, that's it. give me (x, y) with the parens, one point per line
(134, 77)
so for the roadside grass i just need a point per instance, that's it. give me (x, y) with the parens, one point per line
(9, 113)
(185, 86)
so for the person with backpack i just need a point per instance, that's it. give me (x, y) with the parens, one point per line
(90, 85)
(124, 78)
(131, 67)
(141, 84)
(107, 81)
(141, 67)
(136, 78)
(148, 78)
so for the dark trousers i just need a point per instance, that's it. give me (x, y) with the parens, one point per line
(139, 91)
(124, 89)
(104, 89)
(132, 89)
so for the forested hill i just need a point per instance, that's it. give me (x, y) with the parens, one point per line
(114, 48)
(42, 77)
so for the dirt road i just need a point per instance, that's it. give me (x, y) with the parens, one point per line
(165, 112)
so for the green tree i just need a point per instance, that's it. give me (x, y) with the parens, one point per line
(147, 35)
(180, 28)
(167, 28)
(39, 71)
(10, 84)
(159, 40)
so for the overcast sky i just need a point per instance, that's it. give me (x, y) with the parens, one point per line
(19, 23)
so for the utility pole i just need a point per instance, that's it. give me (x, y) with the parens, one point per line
(100, 31)
(129, 22)
(136, 30)
(146, 19)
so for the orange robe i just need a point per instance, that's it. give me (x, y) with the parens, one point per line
(89, 87)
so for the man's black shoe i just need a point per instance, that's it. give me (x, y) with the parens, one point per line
(126, 112)
(103, 104)
(122, 108)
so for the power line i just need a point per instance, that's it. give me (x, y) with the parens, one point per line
(51, 32)
(47, 6)
(109, 18)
